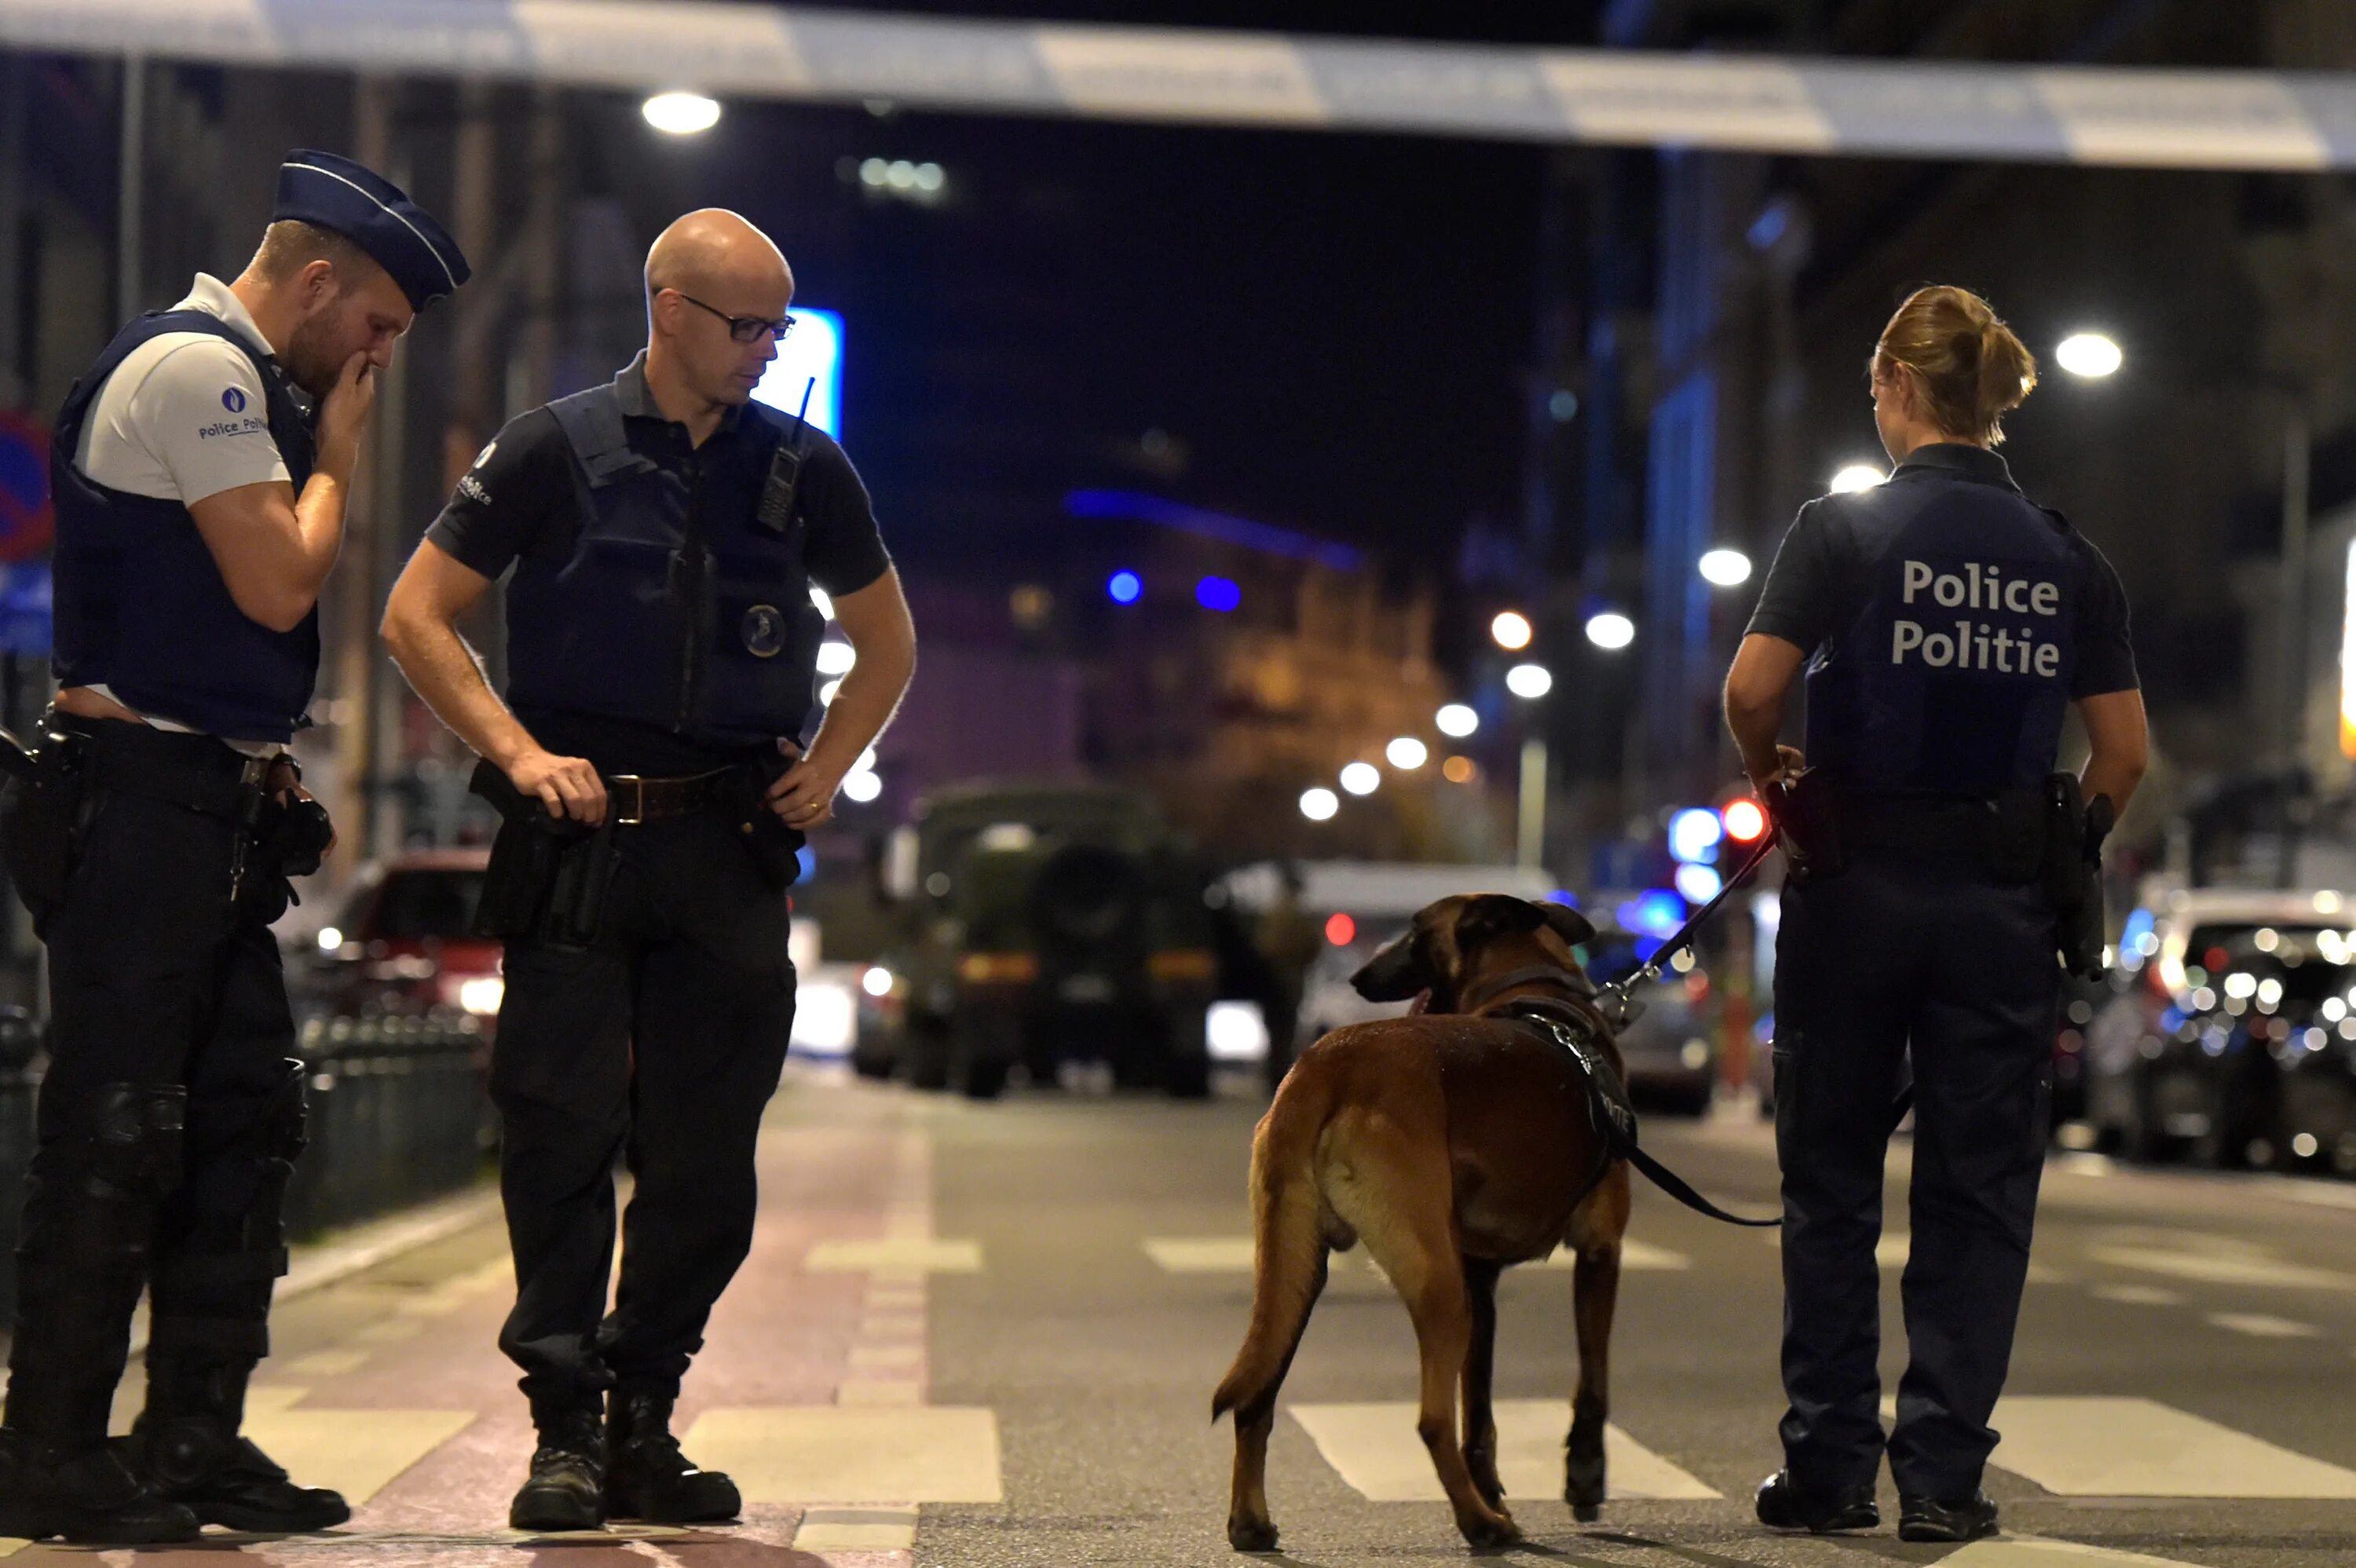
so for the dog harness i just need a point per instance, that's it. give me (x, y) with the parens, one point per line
(1609, 1110)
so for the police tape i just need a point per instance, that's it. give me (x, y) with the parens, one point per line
(2069, 114)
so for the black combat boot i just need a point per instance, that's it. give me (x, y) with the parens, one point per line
(566, 1490)
(648, 1477)
(1784, 1504)
(185, 1444)
(89, 1207)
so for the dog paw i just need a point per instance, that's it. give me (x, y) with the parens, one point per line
(1488, 1534)
(1251, 1535)
(1587, 1513)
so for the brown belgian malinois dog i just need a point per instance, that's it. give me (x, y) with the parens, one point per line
(1453, 1144)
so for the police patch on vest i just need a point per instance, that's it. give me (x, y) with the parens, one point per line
(765, 631)
(1979, 588)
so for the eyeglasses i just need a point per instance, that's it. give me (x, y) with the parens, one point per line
(745, 328)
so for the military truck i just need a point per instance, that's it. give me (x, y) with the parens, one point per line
(1045, 923)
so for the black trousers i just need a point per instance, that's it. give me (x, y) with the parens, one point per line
(1886, 960)
(661, 1042)
(155, 978)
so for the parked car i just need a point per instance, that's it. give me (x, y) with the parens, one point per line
(2230, 1035)
(401, 943)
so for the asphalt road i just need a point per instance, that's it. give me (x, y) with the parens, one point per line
(984, 1335)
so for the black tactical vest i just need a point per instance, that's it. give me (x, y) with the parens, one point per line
(141, 607)
(678, 598)
(1952, 675)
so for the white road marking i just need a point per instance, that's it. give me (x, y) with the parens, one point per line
(852, 1454)
(2223, 1260)
(896, 1256)
(1233, 1254)
(2138, 1294)
(1200, 1254)
(1374, 1449)
(2259, 1325)
(2120, 1448)
(856, 1530)
(328, 1363)
(2030, 1551)
(356, 1452)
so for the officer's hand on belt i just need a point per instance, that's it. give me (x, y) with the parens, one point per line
(285, 786)
(568, 786)
(1789, 766)
(803, 796)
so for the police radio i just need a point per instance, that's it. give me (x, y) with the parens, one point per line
(777, 510)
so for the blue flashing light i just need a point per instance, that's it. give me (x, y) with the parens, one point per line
(1126, 588)
(809, 362)
(1699, 884)
(1647, 947)
(1218, 593)
(1655, 912)
(1695, 833)
(1566, 897)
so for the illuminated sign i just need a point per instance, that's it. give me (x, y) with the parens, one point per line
(810, 360)
(2348, 662)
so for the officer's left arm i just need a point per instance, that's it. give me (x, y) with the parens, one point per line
(884, 643)
(1755, 689)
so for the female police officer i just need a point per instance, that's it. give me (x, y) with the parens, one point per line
(1948, 624)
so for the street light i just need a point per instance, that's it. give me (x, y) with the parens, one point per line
(1529, 681)
(1362, 778)
(1854, 476)
(2089, 355)
(1456, 721)
(1611, 631)
(1319, 804)
(681, 114)
(1725, 567)
(1510, 631)
(1407, 753)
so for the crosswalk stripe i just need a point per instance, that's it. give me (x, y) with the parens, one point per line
(854, 1455)
(1374, 1449)
(2138, 1294)
(856, 1530)
(2221, 1260)
(2260, 1325)
(2032, 1552)
(356, 1452)
(916, 1255)
(2125, 1447)
(1233, 1254)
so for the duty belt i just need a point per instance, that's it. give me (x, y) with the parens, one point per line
(635, 800)
(202, 775)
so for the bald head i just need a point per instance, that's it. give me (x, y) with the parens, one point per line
(705, 269)
(714, 251)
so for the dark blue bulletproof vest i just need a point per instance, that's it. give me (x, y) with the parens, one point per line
(680, 599)
(1952, 675)
(141, 607)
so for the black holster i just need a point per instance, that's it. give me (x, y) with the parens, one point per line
(548, 875)
(1802, 811)
(2074, 830)
(40, 819)
(774, 848)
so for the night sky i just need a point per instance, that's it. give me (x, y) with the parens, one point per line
(1333, 332)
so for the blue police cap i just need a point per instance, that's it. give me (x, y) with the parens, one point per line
(376, 215)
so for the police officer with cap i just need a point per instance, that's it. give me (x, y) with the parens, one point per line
(1948, 626)
(664, 532)
(202, 470)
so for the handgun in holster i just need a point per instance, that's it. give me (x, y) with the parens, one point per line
(549, 875)
(1807, 825)
(40, 817)
(2075, 828)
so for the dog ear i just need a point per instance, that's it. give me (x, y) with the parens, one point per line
(1487, 916)
(1568, 924)
(1398, 971)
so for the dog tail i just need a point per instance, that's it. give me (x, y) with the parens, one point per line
(1288, 1244)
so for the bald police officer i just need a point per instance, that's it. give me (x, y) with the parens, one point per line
(200, 499)
(664, 532)
(1948, 625)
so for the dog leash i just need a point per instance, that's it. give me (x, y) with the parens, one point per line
(1620, 990)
